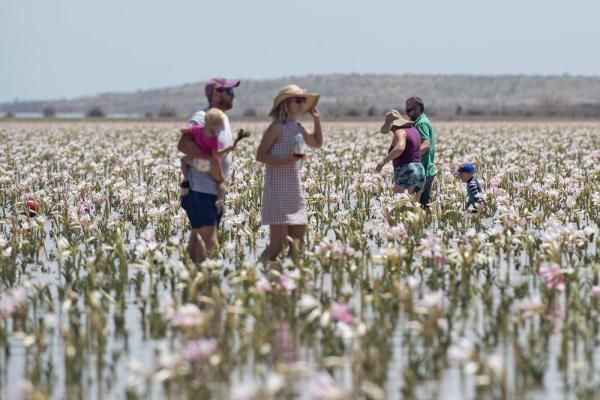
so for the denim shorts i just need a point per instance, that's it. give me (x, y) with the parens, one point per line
(200, 209)
(410, 176)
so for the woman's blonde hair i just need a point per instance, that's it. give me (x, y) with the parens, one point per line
(280, 113)
(214, 116)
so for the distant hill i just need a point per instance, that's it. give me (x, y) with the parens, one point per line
(358, 94)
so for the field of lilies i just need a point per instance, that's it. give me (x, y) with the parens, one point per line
(99, 300)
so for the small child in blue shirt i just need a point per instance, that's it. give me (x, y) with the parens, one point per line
(465, 172)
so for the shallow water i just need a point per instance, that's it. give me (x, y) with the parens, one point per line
(271, 335)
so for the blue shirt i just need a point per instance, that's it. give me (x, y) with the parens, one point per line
(201, 181)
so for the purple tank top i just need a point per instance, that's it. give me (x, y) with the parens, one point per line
(412, 151)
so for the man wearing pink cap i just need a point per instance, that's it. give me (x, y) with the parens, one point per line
(199, 203)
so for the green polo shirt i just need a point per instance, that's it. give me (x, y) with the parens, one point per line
(427, 132)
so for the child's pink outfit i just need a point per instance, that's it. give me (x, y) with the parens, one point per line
(206, 143)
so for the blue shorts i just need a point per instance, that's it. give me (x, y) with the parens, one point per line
(200, 209)
(410, 176)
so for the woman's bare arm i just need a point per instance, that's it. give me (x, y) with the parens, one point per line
(314, 139)
(399, 144)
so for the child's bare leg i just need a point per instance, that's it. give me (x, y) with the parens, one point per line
(221, 190)
(185, 166)
(184, 185)
(216, 172)
(188, 161)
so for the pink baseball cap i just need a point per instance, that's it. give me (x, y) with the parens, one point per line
(219, 82)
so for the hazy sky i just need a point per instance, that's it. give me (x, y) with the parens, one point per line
(66, 48)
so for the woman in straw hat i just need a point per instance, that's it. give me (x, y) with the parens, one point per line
(284, 199)
(405, 154)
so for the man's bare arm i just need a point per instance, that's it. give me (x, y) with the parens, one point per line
(424, 146)
(188, 147)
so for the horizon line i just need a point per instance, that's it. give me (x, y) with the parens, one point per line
(477, 75)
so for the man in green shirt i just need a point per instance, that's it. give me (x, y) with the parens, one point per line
(415, 109)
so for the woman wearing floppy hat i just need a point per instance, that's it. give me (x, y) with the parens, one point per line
(404, 152)
(283, 200)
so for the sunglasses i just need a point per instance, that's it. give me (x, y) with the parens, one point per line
(300, 100)
(229, 91)
(408, 110)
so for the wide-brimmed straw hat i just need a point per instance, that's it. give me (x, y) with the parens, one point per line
(393, 118)
(295, 91)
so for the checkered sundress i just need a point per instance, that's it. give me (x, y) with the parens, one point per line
(284, 199)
